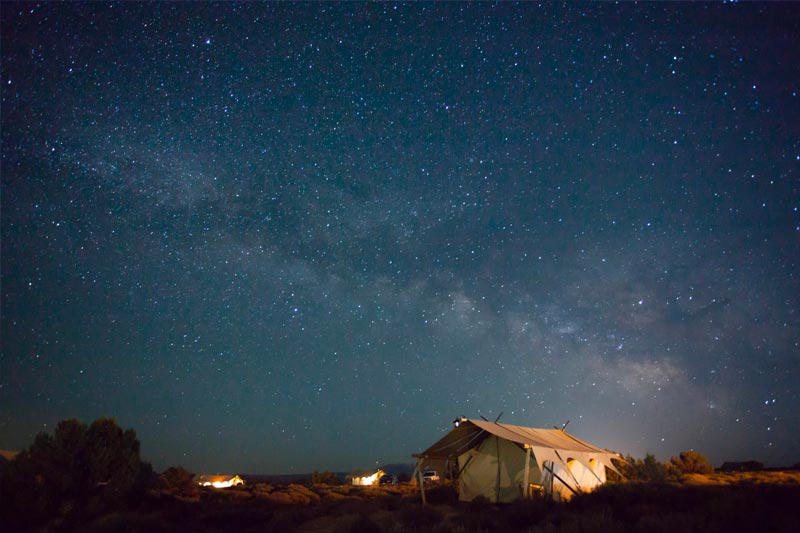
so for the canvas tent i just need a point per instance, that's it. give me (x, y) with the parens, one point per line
(218, 481)
(364, 478)
(504, 463)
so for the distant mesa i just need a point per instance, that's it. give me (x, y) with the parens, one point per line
(743, 466)
(399, 469)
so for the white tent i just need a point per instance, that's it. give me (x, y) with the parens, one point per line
(504, 463)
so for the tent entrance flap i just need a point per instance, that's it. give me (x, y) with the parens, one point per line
(495, 470)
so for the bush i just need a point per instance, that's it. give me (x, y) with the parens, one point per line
(691, 462)
(420, 516)
(289, 519)
(324, 478)
(647, 469)
(364, 525)
(482, 515)
(177, 479)
(441, 494)
(523, 514)
(260, 489)
(293, 494)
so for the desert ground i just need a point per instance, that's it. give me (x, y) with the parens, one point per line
(742, 501)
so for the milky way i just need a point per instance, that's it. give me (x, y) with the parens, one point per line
(287, 237)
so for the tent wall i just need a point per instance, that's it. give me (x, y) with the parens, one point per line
(587, 478)
(580, 476)
(495, 470)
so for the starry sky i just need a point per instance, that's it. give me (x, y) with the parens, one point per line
(276, 238)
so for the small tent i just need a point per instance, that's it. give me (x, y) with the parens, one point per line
(504, 463)
(218, 481)
(364, 478)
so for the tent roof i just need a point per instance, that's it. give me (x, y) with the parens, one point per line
(470, 433)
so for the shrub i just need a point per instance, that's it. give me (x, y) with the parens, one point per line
(324, 478)
(691, 462)
(261, 489)
(647, 469)
(301, 492)
(177, 479)
(523, 514)
(293, 494)
(482, 515)
(364, 525)
(289, 519)
(420, 516)
(441, 494)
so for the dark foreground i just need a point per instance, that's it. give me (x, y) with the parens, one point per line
(745, 506)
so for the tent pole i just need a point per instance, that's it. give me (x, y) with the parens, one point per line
(569, 471)
(526, 485)
(466, 463)
(565, 483)
(548, 465)
(421, 481)
(497, 485)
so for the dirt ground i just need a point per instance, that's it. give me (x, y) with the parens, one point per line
(759, 501)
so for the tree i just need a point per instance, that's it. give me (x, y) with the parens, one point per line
(324, 478)
(691, 462)
(176, 478)
(652, 470)
(78, 471)
(647, 469)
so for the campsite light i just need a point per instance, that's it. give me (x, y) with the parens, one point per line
(221, 482)
(368, 480)
(458, 420)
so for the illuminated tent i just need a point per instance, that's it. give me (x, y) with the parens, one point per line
(218, 482)
(364, 477)
(504, 463)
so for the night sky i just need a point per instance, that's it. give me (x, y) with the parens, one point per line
(284, 237)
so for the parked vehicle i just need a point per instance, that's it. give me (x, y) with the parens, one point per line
(430, 476)
(387, 479)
